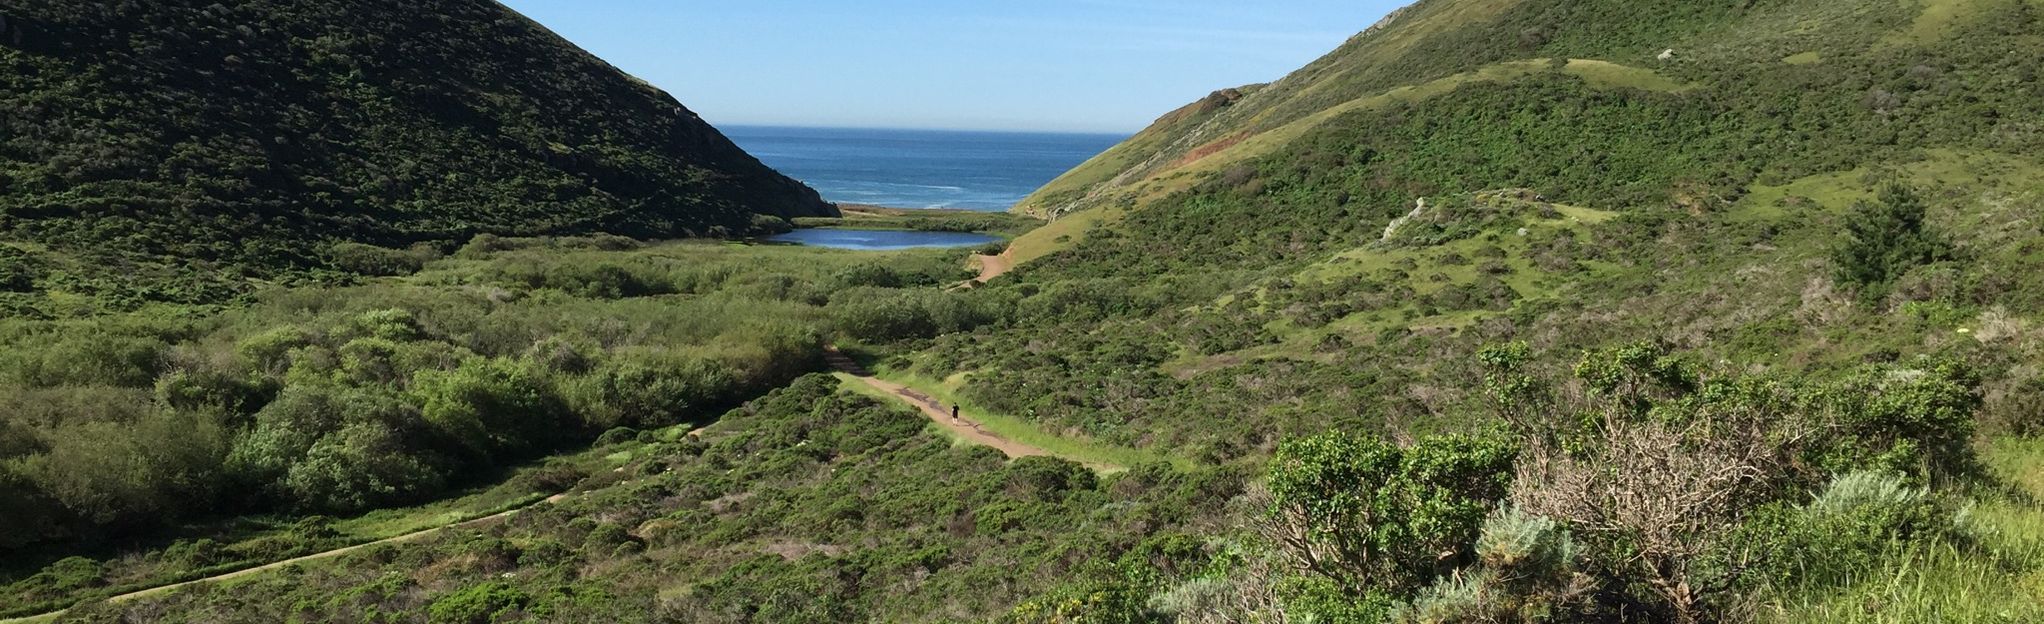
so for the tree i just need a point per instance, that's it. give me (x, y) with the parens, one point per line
(1885, 239)
(490, 406)
(362, 466)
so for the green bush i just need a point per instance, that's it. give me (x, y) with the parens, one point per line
(477, 604)
(1526, 571)
(376, 261)
(1376, 518)
(491, 407)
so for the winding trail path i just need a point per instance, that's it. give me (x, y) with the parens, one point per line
(408, 537)
(936, 410)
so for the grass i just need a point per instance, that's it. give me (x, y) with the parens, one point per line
(1803, 58)
(1166, 180)
(1935, 21)
(1081, 450)
(1999, 579)
(859, 217)
(1299, 343)
(1939, 167)
(1059, 234)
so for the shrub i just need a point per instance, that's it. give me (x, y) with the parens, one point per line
(1526, 572)
(490, 406)
(652, 392)
(364, 465)
(552, 478)
(1377, 518)
(1853, 527)
(482, 245)
(1859, 492)
(269, 349)
(85, 358)
(477, 604)
(337, 450)
(375, 261)
(395, 324)
(19, 271)
(72, 573)
(1049, 479)
(1916, 421)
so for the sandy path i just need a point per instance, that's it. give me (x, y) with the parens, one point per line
(994, 266)
(412, 536)
(937, 411)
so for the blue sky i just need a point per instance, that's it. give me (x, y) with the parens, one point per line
(1067, 65)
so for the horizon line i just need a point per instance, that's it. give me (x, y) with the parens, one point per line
(816, 126)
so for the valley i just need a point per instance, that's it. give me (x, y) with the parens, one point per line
(1503, 311)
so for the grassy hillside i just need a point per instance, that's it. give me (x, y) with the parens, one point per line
(1434, 41)
(182, 139)
(1795, 195)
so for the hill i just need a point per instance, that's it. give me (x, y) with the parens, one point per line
(1800, 87)
(177, 137)
(1506, 311)
(1324, 274)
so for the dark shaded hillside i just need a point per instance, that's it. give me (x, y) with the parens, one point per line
(244, 132)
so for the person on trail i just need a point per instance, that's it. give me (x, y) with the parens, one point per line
(954, 414)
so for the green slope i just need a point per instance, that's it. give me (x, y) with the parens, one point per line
(246, 134)
(1726, 55)
(1730, 182)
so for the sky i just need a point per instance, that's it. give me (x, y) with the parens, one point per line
(1032, 65)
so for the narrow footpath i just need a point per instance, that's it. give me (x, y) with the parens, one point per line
(937, 411)
(408, 537)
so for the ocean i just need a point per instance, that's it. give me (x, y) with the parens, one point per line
(989, 171)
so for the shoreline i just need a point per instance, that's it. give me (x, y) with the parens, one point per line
(849, 208)
(1005, 225)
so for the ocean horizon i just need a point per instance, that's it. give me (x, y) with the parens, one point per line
(898, 168)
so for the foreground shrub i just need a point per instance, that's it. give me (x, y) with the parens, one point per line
(1527, 571)
(1375, 520)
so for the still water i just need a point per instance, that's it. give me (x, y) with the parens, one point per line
(881, 240)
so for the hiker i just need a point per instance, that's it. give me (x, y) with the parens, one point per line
(954, 414)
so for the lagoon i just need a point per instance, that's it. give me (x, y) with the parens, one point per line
(881, 240)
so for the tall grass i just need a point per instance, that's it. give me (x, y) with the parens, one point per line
(1993, 573)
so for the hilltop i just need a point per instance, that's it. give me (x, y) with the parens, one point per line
(184, 137)
(1720, 95)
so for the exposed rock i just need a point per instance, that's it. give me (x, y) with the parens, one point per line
(1220, 99)
(1392, 229)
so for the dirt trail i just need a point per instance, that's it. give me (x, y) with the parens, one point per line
(936, 410)
(994, 266)
(412, 536)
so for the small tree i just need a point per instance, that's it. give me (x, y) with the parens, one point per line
(1885, 239)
